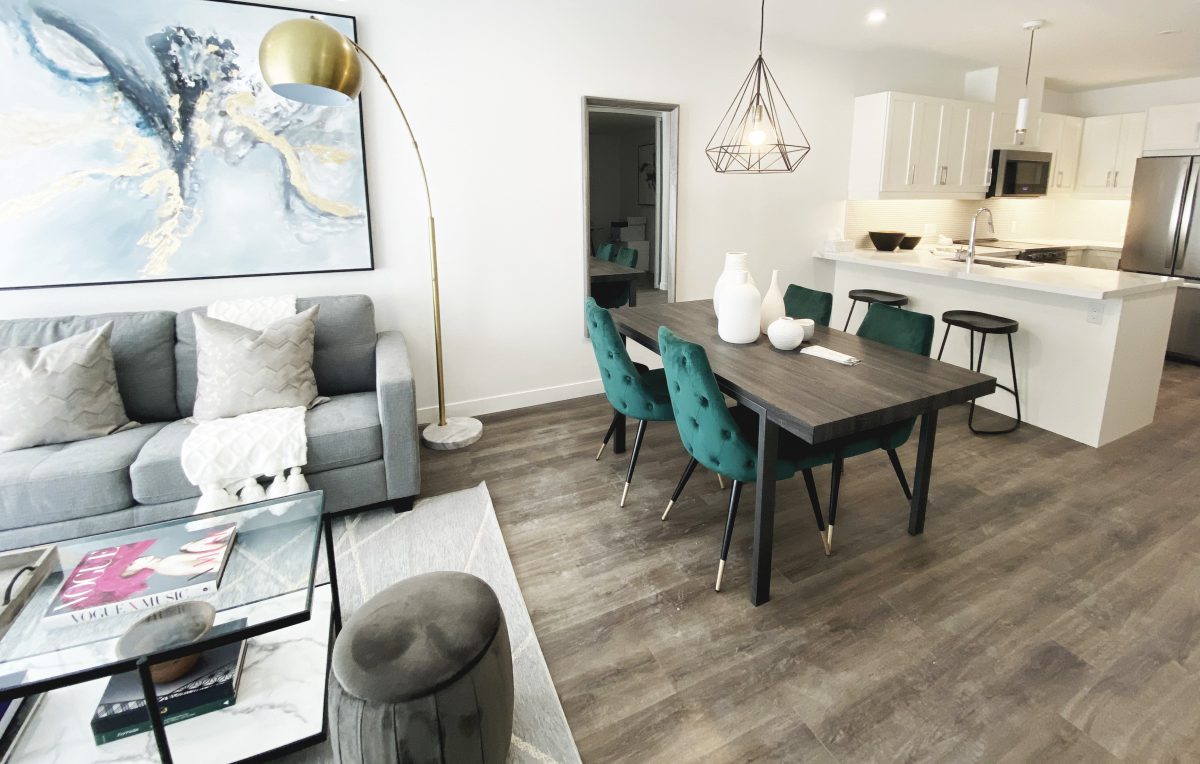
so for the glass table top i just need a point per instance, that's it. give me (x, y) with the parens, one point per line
(271, 568)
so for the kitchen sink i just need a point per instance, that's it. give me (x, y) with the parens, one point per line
(1005, 263)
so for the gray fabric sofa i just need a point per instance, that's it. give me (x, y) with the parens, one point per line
(362, 444)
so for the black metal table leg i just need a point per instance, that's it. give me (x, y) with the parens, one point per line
(150, 693)
(632, 293)
(920, 499)
(619, 434)
(331, 563)
(764, 511)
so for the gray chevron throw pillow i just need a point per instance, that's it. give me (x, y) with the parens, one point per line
(239, 370)
(60, 393)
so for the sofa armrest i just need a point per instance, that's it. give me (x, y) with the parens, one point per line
(398, 415)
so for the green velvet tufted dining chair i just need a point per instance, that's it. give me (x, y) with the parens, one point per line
(632, 389)
(722, 439)
(802, 302)
(627, 256)
(607, 251)
(903, 330)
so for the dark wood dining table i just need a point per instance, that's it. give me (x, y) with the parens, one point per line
(815, 399)
(606, 272)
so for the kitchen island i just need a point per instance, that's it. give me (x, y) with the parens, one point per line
(1091, 343)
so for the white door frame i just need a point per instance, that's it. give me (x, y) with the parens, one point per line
(667, 172)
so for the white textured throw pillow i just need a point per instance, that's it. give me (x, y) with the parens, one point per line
(59, 393)
(239, 370)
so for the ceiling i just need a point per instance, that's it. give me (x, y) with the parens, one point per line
(1085, 43)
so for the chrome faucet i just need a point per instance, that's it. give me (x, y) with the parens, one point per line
(971, 243)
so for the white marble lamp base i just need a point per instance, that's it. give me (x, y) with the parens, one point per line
(457, 432)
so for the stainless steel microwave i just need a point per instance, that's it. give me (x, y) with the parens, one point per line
(1019, 173)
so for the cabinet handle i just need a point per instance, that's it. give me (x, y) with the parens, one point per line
(987, 179)
(945, 169)
(1116, 174)
(912, 174)
(1059, 184)
(1108, 179)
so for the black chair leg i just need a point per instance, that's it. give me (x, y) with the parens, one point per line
(735, 494)
(853, 304)
(637, 449)
(834, 487)
(895, 459)
(1012, 360)
(811, 486)
(687, 473)
(612, 427)
(945, 336)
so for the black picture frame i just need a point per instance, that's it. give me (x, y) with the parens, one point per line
(647, 174)
(366, 187)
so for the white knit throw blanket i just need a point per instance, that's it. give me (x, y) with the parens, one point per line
(226, 457)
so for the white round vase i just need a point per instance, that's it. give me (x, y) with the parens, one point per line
(735, 262)
(788, 333)
(741, 304)
(772, 304)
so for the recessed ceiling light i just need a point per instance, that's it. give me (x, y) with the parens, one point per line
(877, 16)
(1171, 31)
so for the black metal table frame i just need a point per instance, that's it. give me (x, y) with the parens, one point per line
(142, 665)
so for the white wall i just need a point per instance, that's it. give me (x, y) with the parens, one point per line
(1123, 99)
(494, 92)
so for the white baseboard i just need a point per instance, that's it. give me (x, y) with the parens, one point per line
(510, 401)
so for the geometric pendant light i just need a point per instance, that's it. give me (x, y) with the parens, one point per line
(756, 135)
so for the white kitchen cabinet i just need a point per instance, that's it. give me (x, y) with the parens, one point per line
(1108, 154)
(1173, 129)
(916, 147)
(1101, 258)
(1060, 135)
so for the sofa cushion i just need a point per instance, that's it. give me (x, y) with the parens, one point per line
(343, 356)
(342, 432)
(68, 481)
(143, 348)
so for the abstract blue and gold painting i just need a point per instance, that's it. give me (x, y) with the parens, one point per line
(138, 142)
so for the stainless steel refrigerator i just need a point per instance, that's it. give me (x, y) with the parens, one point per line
(1163, 238)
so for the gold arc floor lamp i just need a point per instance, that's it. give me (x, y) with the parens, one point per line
(308, 61)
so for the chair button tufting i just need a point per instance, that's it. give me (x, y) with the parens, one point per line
(628, 380)
(703, 402)
(695, 424)
(676, 387)
(749, 463)
(726, 435)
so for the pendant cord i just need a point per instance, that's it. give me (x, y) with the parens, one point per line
(762, 25)
(1028, 61)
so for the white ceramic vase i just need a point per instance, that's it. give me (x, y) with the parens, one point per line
(735, 262)
(788, 333)
(772, 304)
(741, 305)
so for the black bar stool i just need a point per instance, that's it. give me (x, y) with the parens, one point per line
(985, 324)
(869, 296)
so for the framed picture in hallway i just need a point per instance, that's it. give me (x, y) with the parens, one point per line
(140, 143)
(647, 174)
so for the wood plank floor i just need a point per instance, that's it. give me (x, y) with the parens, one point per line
(1050, 612)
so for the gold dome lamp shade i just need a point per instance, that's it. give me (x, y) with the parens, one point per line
(309, 61)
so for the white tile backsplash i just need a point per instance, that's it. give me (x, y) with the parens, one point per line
(1048, 217)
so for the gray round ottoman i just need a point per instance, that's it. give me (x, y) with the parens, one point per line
(423, 673)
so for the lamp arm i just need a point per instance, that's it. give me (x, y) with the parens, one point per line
(433, 262)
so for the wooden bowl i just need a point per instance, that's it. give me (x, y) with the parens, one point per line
(910, 242)
(886, 241)
(172, 626)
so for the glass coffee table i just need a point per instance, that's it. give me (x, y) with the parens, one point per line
(267, 594)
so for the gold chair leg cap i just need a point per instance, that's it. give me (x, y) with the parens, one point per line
(829, 541)
(624, 494)
(601, 451)
(824, 542)
(720, 574)
(720, 481)
(668, 509)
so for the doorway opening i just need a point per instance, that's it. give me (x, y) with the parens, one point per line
(630, 186)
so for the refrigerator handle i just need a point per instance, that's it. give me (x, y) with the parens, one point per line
(1185, 220)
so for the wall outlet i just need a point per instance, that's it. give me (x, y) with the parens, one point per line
(1095, 314)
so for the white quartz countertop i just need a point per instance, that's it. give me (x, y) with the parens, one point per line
(1068, 280)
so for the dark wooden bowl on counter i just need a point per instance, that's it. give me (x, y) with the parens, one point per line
(910, 242)
(886, 241)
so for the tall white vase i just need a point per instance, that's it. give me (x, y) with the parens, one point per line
(741, 307)
(772, 304)
(735, 262)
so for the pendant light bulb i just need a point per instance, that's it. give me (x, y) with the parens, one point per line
(757, 134)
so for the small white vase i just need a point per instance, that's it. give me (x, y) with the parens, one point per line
(772, 304)
(788, 333)
(740, 311)
(735, 262)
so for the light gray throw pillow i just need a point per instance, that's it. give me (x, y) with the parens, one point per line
(239, 370)
(59, 393)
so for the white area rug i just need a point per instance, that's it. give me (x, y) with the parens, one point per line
(457, 531)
